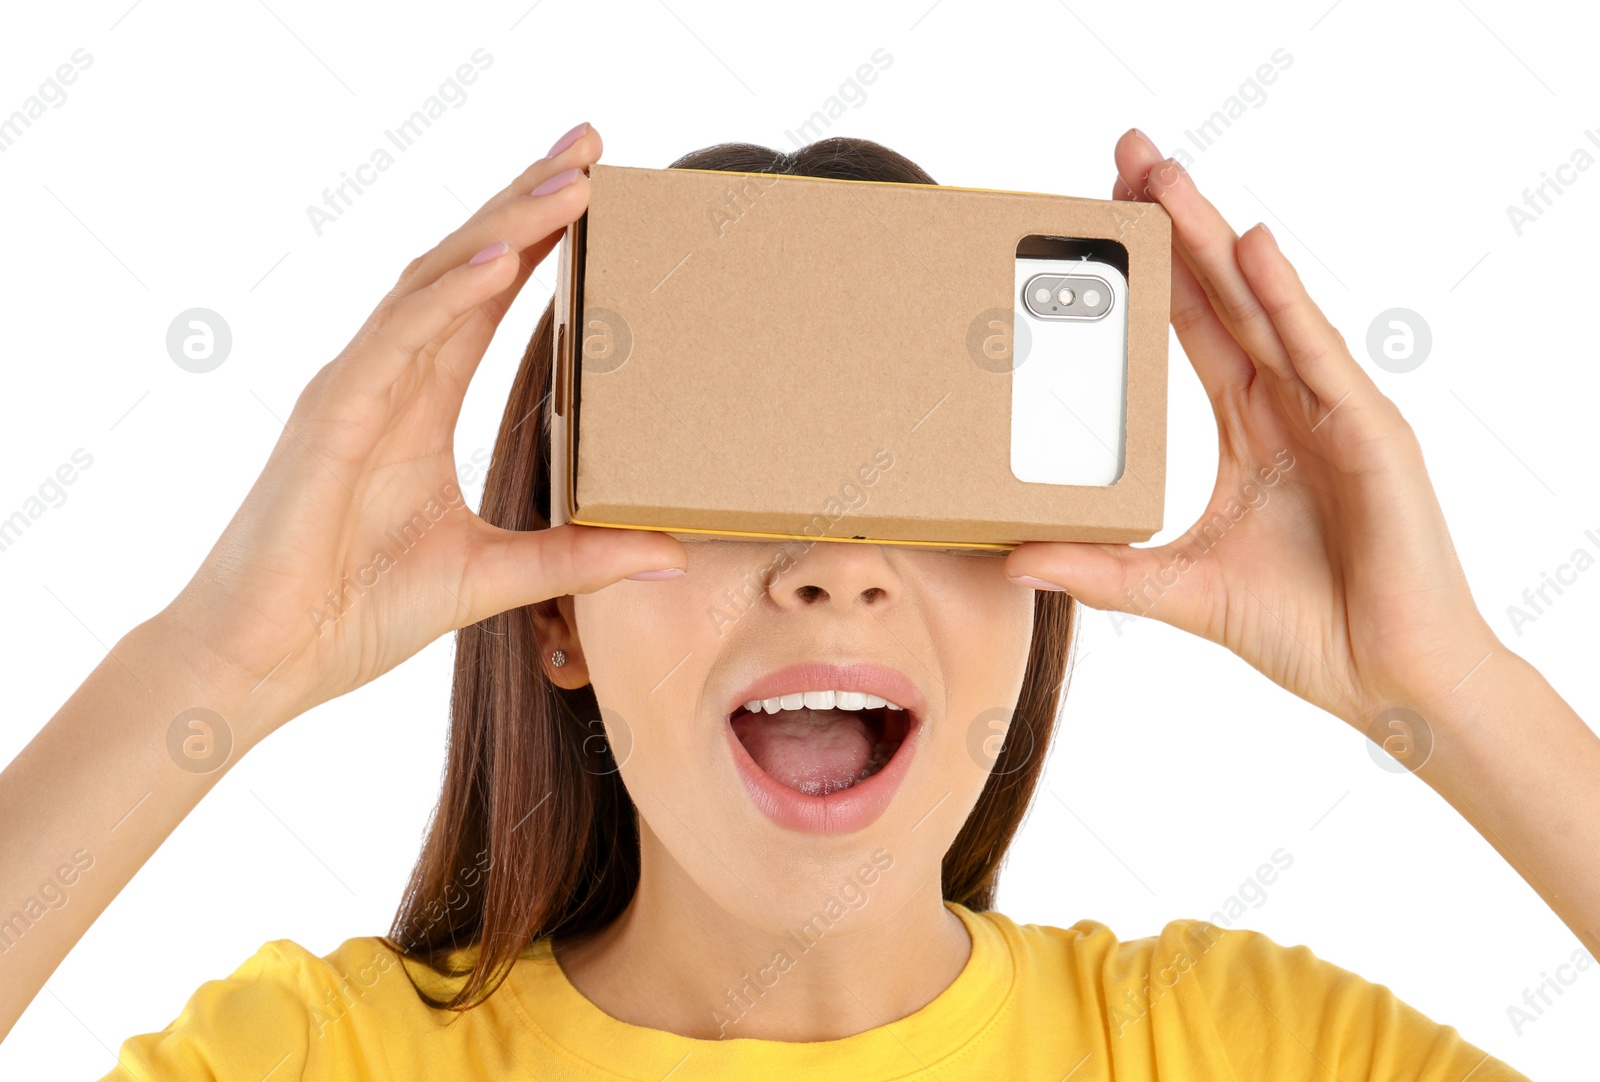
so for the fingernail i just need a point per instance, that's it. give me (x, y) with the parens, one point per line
(1033, 583)
(1147, 141)
(557, 182)
(1263, 227)
(568, 139)
(654, 576)
(494, 251)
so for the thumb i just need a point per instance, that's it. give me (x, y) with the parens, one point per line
(513, 568)
(1162, 582)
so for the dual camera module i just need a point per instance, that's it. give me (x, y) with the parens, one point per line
(1067, 296)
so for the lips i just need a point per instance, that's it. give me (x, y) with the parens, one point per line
(825, 770)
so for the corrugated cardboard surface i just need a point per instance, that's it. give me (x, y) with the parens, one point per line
(793, 357)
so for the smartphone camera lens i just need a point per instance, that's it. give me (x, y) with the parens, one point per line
(1071, 296)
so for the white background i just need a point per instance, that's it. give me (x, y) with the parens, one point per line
(177, 175)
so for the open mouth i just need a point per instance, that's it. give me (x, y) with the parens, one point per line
(817, 750)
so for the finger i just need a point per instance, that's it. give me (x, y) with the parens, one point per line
(1314, 346)
(1134, 154)
(511, 568)
(1208, 244)
(398, 332)
(389, 345)
(494, 220)
(1163, 582)
(459, 348)
(1221, 363)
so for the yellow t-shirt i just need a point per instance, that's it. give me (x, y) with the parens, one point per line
(1196, 1002)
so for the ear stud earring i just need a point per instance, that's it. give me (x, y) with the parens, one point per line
(558, 658)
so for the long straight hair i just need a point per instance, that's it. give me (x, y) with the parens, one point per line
(534, 834)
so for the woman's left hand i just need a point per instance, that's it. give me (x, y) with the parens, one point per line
(1322, 557)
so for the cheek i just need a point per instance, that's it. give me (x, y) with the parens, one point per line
(987, 640)
(635, 634)
(647, 646)
(982, 627)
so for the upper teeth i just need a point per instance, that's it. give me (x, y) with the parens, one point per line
(821, 700)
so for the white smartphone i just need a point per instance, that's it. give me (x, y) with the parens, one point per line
(1069, 382)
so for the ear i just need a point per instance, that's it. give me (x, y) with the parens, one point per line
(555, 625)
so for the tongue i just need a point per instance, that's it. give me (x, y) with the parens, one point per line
(814, 751)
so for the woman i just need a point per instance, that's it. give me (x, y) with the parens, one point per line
(732, 883)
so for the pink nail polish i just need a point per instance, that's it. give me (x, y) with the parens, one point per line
(568, 139)
(1037, 584)
(557, 182)
(656, 576)
(494, 251)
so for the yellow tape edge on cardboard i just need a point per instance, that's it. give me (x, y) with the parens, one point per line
(990, 545)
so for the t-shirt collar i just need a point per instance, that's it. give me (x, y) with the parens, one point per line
(568, 1025)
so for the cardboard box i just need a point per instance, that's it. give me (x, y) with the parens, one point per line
(765, 356)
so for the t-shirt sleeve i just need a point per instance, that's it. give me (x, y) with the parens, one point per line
(1283, 1012)
(253, 1024)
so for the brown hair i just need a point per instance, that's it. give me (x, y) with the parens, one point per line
(534, 834)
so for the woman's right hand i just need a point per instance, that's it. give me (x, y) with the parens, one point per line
(359, 492)
(354, 548)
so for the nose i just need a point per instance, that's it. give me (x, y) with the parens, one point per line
(838, 574)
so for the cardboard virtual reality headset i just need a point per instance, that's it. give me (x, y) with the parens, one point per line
(754, 356)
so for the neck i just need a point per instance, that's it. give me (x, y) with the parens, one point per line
(676, 960)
